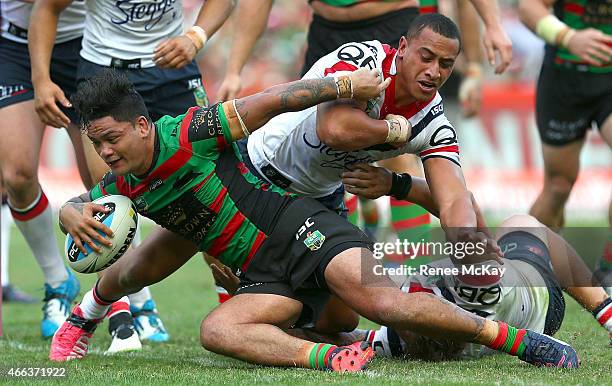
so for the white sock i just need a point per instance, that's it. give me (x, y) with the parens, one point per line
(5, 235)
(36, 225)
(92, 309)
(139, 298)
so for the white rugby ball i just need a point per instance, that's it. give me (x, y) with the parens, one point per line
(122, 219)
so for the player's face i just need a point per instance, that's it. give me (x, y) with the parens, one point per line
(122, 145)
(424, 64)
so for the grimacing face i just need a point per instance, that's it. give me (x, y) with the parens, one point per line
(122, 145)
(424, 64)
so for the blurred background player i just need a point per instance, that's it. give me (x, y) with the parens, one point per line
(151, 48)
(574, 93)
(338, 22)
(22, 131)
(10, 293)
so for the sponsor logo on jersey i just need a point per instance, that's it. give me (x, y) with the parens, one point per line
(155, 184)
(205, 124)
(141, 204)
(307, 224)
(151, 12)
(314, 240)
(336, 159)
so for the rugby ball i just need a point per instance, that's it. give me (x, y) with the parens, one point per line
(122, 219)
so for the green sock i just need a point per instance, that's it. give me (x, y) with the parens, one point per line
(509, 340)
(319, 356)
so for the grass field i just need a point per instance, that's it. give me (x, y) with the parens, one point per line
(185, 297)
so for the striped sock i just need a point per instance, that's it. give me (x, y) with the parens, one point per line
(603, 314)
(412, 223)
(222, 294)
(509, 340)
(320, 356)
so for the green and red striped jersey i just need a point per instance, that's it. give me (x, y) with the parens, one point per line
(199, 188)
(582, 14)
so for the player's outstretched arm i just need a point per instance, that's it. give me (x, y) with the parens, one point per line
(495, 38)
(252, 112)
(41, 38)
(590, 45)
(76, 218)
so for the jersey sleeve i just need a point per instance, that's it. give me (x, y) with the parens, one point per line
(205, 130)
(108, 185)
(348, 58)
(433, 135)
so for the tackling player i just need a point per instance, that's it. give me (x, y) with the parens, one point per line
(291, 252)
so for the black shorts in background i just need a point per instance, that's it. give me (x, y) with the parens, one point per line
(165, 91)
(292, 260)
(16, 74)
(325, 36)
(569, 101)
(533, 251)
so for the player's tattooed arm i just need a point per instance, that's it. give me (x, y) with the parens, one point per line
(250, 113)
(76, 218)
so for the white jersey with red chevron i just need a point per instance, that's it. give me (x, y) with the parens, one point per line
(516, 295)
(290, 144)
(129, 30)
(15, 16)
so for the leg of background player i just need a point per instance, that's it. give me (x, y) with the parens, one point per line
(22, 132)
(605, 263)
(561, 166)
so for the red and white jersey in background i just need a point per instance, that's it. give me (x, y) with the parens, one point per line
(289, 142)
(15, 16)
(517, 296)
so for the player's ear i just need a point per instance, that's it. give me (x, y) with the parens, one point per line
(143, 125)
(402, 47)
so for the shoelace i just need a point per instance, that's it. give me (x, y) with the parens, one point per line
(64, 303)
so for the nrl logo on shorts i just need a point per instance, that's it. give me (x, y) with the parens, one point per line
(314, 240)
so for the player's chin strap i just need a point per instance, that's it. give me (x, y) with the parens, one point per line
(242, 125)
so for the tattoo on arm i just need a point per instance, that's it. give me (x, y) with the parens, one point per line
(305, 93)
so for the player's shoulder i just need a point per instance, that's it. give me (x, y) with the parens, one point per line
(430, 120)
(349, 57)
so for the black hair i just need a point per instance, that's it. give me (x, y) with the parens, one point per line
(108, 93)
(438, 23)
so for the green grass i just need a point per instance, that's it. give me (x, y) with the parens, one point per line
(185, 297)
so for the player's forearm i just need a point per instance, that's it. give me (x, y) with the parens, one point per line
(347, 128)
(421, 195)
(250, 21)
(256, 110)
(470, 31)
(488, 11)
(532, 11)
(213, 14)
(41, 36)
(457, 212)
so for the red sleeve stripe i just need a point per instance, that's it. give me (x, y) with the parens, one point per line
(184, 137)
(261, 237)
(480, 280)
(220, 244)
(443, 149)
(216, 205)
(33, 212)
(340, 66)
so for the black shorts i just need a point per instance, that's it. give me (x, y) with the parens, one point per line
(528, 248)
(165, 91)
(16, 75)
(325, 36)
(568, 102)
(292, 260)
